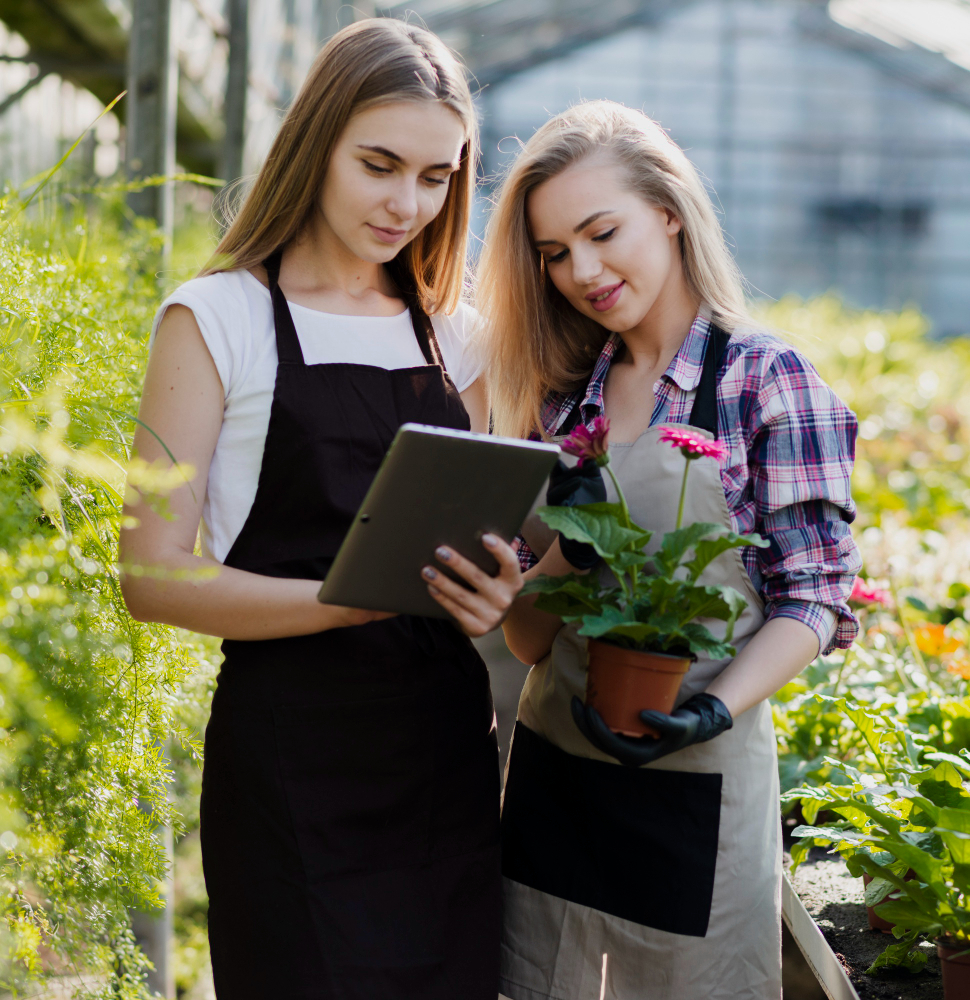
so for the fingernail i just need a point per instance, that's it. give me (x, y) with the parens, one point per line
(429, 573)
(490, 540)
(442, 553)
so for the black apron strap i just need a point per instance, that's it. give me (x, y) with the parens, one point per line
(703, 414)
(424, 332)
(287, 342)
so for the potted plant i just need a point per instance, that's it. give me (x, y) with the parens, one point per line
(643, 618)
(908, 827)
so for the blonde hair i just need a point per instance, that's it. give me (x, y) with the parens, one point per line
(538, 343)
(372, 62)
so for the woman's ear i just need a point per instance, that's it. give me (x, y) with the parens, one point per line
(674, 225)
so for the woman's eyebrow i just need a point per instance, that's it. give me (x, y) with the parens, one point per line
(576, 229)
(592, 218)
(383, 151)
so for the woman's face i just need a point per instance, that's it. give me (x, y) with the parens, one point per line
(609, 252)
(389, 175)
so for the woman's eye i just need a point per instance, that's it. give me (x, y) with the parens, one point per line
(374, 168)
(557, 257)
(436, 180)
(603, 237)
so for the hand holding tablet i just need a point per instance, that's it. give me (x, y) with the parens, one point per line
(436, 487)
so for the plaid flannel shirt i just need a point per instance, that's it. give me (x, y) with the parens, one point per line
(791, 448)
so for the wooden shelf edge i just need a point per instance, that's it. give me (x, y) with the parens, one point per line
(820, 957)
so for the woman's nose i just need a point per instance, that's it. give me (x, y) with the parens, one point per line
(404, 200)
(587, 267)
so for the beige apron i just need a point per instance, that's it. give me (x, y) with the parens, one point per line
(656, 883)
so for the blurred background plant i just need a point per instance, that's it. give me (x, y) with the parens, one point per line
(88, 696)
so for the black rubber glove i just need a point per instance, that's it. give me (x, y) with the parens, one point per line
(573, 487)
(699, 719)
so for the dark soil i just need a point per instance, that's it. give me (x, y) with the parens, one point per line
(835, 900)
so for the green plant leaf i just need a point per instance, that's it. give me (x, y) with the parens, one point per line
(799, 853)
(877, 890)
(706, 551)
(676, 544)
(907, 915)
(901, 954)
(943, 793)
(597, 525)
(613, 620)
(953, 827)
(700, 640)
(624, 561)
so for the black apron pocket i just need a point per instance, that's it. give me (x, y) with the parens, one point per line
(358, 778)
(637, 843)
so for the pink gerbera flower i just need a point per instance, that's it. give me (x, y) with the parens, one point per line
(589, 442)
(693, 444)
(865, 593)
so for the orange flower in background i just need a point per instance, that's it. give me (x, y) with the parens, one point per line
(959, 664)
(933, 640)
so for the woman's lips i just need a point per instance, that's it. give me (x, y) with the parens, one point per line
(606, 297)
(388, 235)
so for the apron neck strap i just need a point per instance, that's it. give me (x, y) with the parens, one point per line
(703, 414)
(287, 342)
(424, 332)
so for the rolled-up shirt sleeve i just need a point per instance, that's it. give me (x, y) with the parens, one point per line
(800, 453)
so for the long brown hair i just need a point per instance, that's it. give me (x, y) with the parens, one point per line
(538, 343)
(372, 62)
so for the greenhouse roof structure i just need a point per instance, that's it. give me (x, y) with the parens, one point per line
(924, 42)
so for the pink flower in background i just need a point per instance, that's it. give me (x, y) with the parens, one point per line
(692, 444)
(589, 442)
(865, 593)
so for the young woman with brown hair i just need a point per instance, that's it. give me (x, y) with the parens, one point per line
(609, 291)
(350, 791)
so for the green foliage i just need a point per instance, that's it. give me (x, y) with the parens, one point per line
(909, 394)
(909, 817)
(88, 696)
(647, 602)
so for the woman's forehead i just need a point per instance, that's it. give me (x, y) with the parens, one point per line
(417, 133)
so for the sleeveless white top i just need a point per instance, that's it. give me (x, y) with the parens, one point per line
(235, 314)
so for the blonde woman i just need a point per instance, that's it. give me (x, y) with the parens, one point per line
(608, 290)
(350, 791)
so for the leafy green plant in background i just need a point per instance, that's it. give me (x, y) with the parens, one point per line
(88, 694)
(908, 391)
(906, 824)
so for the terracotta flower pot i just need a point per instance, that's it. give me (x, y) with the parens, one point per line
(955, 968)
(620, 683)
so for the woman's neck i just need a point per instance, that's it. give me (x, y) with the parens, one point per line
(654, 341)
(318, 271)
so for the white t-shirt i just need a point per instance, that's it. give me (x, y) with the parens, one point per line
(235, 314)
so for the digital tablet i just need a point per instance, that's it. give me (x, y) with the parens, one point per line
(435, 487)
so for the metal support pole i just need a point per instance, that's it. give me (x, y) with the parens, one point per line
(237, 83)
(152, 100)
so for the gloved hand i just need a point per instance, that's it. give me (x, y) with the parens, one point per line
(699, 719)
(573, 487)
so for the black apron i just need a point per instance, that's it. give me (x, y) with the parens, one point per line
(350, 791)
